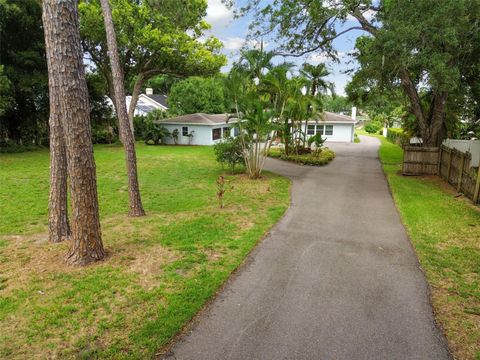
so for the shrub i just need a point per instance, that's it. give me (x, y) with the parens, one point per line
(229, 152)
(148, 130)
(318, 158)
(103, 136)
(397, 136)
(372, 127)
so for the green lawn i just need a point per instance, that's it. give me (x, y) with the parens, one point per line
(445, 232)
(160, 269)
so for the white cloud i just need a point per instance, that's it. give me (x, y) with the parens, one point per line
(233, 43)
(218, 14)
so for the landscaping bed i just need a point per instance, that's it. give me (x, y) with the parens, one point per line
(315, 158)
(445, 231)
(160, 269)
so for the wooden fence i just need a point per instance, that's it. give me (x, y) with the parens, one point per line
(451, 165)
(419, 160)
(454, 168)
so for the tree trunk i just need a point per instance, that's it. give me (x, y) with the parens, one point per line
(65, 54)
(136, 208)
(58, 226)
(137, 88)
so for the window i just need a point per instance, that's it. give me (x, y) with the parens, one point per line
(236, 131)
(328, 129)
(216, 134)
(311, 130)
(320, 129)
(226, 132)
(185, 130)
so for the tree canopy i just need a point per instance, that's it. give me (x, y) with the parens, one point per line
(23, 73)
(197, 94)
(153, 38)
(425, 48)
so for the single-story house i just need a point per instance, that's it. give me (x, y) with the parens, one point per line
(199, 128)
(333, 127)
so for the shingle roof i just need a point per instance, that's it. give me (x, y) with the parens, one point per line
(337, 118)
(161, 99)
(197, 119)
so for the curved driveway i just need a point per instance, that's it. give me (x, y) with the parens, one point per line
(336, 278)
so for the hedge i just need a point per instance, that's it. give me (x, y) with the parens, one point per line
(316, 159)
(397, 136)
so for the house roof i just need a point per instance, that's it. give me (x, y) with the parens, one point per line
(197, 119)
(160, 99)
(330, 117)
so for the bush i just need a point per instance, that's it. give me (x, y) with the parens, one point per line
(103, 136)
(397, 136)
(318, 158)
(229, 152)
(372, 127)
(8, 146)
(147, 129)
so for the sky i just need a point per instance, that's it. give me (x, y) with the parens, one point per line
(232, 33)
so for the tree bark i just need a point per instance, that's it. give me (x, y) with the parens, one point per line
(136, 207)
(58, 226)
(137, 88)
(64, 54)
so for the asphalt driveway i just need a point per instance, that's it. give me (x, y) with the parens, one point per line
(336, 278)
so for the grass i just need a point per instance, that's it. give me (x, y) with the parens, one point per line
(320, 158)
(445, 231)
(160, 269)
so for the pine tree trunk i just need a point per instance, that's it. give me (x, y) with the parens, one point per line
(58, 226)
(64, 54)
(136, 207)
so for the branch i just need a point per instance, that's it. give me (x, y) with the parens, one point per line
(323, 42)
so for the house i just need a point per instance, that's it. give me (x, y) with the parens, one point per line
(146, 102)
(333, 127)
(199, 128)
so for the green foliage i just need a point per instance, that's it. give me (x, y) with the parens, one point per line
(337, 104)
(372, 127)
(316, 158)
(229, 152)
(317, 140)
(197, 95)
(147, 128)
(5, 92)
(154, 38)
(23, 74)
(397, 136)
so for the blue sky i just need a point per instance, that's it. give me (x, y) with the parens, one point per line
(232, 33)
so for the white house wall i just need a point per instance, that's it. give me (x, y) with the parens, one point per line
(341, 132)
(202, 134)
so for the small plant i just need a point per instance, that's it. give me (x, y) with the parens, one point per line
(175, 136)
(190, 137)
(317, 140)
(221, 190)
(229, 152)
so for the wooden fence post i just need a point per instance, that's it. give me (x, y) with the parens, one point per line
(477, 187)
(460, 175)
(449, 169)
(440, 161)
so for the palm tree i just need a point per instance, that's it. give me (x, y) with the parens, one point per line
(316, 74)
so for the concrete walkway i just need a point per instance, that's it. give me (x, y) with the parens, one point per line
(336, 278)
